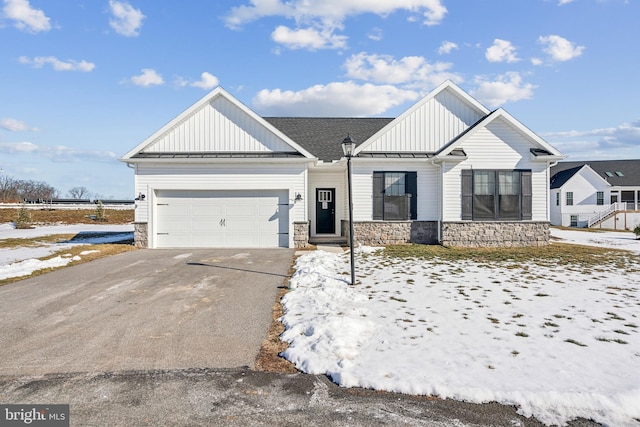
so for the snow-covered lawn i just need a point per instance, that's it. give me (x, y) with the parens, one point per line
(21, 261)
(557, 340)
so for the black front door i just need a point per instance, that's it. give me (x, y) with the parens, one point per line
(325, 210)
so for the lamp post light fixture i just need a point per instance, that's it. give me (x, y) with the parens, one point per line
(348, 146)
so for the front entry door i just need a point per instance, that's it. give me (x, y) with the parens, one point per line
(325, 211)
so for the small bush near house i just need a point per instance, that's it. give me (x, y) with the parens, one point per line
(99, 214)
(24, 218)
(636, 231)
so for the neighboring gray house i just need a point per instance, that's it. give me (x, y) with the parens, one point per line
(598, 193)
(447, 170)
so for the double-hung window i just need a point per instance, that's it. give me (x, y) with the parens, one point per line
(496, 195)
(395, 196)
(600, 198)
(569, 196)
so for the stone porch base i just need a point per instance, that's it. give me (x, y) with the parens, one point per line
(140, 234)
(495, 234)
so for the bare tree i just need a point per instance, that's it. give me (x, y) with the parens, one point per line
(79, 193)
(14, 190)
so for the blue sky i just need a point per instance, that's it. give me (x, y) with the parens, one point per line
(84, 81)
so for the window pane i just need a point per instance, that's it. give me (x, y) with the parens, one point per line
(509, 206)
(394, 184)
(508, 182)
(483, 207)
(484, 183)
(397, 208)
(600, 198)
(569, 198)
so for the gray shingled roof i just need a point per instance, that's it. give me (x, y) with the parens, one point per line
(630, 170)
(323, 136)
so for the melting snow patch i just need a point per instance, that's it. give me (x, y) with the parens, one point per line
(26, 267)
(558, 343)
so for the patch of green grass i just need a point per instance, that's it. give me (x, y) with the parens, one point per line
(551, 325)
(578, 343)
(619, 341)
(553, 255)
(398, 299)
(493, 320)
(522, 334)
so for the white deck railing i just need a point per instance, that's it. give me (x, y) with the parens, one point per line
(618, 206)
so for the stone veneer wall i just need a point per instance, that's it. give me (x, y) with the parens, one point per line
(495, 234)
(392, 232)
(140, 235)
(300, 234)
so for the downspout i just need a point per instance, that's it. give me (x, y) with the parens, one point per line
(440, 192)
(551, 164)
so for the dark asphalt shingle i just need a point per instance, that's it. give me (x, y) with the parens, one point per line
(630, 170)
(323, 136)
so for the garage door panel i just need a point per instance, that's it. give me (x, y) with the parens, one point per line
(222, 219)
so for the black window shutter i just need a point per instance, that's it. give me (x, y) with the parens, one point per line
(467, 194)
(378, 195)
(525, 183)
(411, 187)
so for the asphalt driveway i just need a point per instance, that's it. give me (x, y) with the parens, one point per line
(146, 309)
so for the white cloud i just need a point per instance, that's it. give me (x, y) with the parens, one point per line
(563, 2)
(317, 20)
(334, 11)
(559, 48)
(508, 87)
(626, 135)
(148, 77)
(126, 19)
(26, 18)
(308, 38)
(536, 61)
(57, 153)
(334, 99)
(15, 125)
(375, 34)
(207, 81)
(447, 47)
(58, 65)
(605, 143)
(501, 51)
(410, 71)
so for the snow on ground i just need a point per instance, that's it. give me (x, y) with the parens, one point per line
(22, 261)
(608, 239)
(557, 342)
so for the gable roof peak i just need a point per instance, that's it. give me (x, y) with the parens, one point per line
(207, 99)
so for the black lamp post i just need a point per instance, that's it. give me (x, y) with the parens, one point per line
(348, 145)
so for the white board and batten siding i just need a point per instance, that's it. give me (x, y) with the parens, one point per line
(428, 127)
(427, 187)
(231, 185)
(218, 126)
(497, 146)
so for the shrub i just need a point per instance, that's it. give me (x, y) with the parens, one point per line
(99, 213)
(637, 231)
(24, 218)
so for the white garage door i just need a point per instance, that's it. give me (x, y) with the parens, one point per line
(210, 219)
